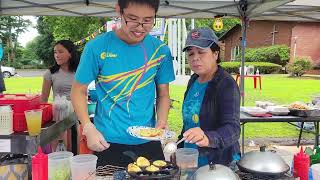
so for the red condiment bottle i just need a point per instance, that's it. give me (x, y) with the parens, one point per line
(40, 166)
(301, 162)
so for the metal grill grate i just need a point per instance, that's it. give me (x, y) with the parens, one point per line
(105, 172)
(250, 176)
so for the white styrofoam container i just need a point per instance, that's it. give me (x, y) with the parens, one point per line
(253, 110)
(278, 110)
(6, 120)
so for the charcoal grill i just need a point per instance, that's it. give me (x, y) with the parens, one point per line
(105, 172)
(251, 176)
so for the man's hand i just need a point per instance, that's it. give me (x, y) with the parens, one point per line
(95, 140)
(197, 136)
(162, 124)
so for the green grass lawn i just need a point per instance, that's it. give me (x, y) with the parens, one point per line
(279, 89)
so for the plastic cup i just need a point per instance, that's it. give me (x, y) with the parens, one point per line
(83, 166)
(187, 158)
(59, 165)
(33, 118)
(315, 169)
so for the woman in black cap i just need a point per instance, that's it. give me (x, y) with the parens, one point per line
(211, 107)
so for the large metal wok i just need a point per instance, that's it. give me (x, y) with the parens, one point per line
(263, 162)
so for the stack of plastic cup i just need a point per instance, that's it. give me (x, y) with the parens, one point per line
(83, 166)
(301, 163)
(315, 168)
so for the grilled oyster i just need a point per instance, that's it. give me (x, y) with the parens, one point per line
(159, 163)
(152, 168)
(142, 162)
(133, 168)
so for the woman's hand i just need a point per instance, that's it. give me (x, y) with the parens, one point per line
(197, 136)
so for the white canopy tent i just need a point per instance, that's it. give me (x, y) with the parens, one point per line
(258, 9)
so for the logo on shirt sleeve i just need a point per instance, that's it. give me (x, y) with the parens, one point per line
(195, 118)
(103, 55)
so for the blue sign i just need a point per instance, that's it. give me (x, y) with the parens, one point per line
(1, 52)
(158, 29)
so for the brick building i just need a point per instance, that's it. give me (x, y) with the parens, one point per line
(303, 38)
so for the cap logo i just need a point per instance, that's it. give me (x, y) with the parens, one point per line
(195, 35)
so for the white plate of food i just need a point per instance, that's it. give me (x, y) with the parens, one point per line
(150, 133)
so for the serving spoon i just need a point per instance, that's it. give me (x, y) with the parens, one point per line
(171, 147)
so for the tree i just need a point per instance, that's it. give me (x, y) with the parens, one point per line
(44, 42)
(52, 29)
(228, 23)
(64, 27)
(29, 52)
(10, 29)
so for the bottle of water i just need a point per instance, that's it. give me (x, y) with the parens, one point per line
(233, 164)
(60, 146)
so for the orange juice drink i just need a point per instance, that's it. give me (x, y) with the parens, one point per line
(34, 118)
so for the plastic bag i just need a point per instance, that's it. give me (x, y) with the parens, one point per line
(61, 108)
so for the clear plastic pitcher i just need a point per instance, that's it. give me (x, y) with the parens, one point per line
(59, 165)
(33, 118)
(187, 158)
(83, 166)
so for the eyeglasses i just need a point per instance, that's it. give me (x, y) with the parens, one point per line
(135, 24)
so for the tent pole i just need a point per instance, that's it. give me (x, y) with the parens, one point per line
(243, 49)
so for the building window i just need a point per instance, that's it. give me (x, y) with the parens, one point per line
(235, 51)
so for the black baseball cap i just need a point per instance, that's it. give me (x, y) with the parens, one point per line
(201, 38)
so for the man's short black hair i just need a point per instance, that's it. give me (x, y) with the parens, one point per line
(152, 3)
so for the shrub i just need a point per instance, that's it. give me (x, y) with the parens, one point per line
(233, 67)
(316, 66)
(278, 54)
(299, 66)
(264, 67)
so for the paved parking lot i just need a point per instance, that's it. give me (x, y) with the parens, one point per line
(30, 73)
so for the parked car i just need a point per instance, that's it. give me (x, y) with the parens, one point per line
(8, 71)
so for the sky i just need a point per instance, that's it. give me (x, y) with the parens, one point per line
(31, 32)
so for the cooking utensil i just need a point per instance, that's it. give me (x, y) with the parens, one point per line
(301, 113)
(131, 154)
(168, 171)
(172, 147)
(263, 162)
(214, 171)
